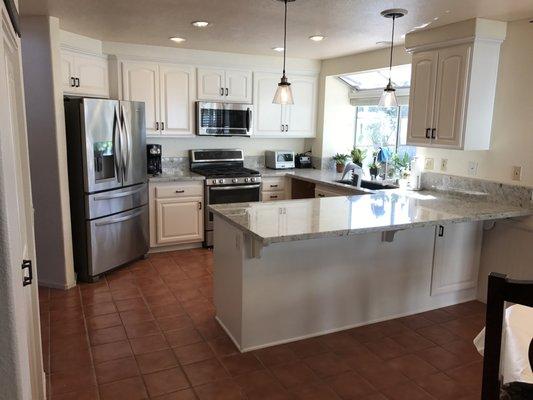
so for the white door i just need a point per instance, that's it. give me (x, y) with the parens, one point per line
(179, 220)
(140, 82)
(67, 72)
(422, 97)
(267, 119)
(20, 347)
(456, 258)
(92, 73)
(238, 86)
(177, 99)
(211, 84)
(450, 101)
(299, 117)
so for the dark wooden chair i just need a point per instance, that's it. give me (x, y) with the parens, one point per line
(500, 290)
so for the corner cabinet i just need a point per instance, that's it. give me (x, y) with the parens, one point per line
(168, 92)
(224, 85)
(176, 213)
(84, 74)
(453, 86)
(291, 121)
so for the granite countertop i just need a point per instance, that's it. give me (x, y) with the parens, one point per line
(177, 177)
(385, 210)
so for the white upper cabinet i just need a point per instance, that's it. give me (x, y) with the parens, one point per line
(84, 74)
(453, 84)
(168, 91)
(224, 85)
(296, 120)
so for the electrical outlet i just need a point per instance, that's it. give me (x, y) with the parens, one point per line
(472, 168)
(517, 173)
(444, 164)
(429, 164)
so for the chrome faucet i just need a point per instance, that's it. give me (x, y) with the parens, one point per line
(356, 170)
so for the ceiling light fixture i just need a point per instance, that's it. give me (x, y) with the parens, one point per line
(278, 49)
(176, 39)
(284, 93)
(200, 24)
(317, 38)
(388, 98)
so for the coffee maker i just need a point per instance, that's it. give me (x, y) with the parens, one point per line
(153, 153)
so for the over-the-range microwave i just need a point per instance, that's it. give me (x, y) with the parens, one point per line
(223, 119)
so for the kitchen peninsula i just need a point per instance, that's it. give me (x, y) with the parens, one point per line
(293, 269)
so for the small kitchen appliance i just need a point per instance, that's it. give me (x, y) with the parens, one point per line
(153, 155)
(303, 161)
(279, 159)
(227, 181)
(223, 119)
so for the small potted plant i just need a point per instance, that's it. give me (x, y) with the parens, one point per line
(358, 156)
(373, 169)
(340, 161)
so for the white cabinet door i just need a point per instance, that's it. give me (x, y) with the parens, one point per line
(140, 82)
(299, 117)
(177, 96)
(67, 72)
(267, 119)
(211, 84)
(92, 73)
(238, 86)
(456, 257)
(450, 100)
(422, 97)
(179, 220)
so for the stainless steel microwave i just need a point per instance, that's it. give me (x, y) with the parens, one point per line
(223, 119)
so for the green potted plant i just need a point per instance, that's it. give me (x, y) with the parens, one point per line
(358, 156)
(340, 161)
(373, 169)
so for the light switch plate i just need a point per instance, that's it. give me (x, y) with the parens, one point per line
(472, 168)
(517, 173)
(429, 164)
(444, 164)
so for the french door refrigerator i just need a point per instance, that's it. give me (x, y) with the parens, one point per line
(106, 147)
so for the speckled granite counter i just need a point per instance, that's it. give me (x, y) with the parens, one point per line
(386, 210)
(177, 177)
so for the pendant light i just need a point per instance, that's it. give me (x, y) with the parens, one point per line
(388, 98)
(284, 93)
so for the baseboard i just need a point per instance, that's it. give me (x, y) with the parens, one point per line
(185, 246)
(55, 285)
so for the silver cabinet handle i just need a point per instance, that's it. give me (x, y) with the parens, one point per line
(118, 195)
(120, 219)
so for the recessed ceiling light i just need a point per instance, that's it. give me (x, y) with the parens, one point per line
(200, 24)
(317, 38)
(176, 39)
(278, 49)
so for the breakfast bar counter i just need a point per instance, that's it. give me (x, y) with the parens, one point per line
(289, 270)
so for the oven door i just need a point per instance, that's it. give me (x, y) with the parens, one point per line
(223, 119)
(229, 194)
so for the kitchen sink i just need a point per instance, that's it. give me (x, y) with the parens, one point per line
(371, 185)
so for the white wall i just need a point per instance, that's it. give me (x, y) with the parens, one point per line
(512, 126)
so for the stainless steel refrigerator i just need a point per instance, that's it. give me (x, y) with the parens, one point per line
(106, 146)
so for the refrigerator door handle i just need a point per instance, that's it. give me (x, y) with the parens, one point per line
(119, 219)
(116, 145)
(127, 136)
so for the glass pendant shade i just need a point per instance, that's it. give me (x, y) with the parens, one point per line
(388, 98)
(283, 93)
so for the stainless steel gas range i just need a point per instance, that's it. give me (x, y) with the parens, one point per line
(227, 181)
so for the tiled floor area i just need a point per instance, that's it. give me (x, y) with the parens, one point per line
(147, 332)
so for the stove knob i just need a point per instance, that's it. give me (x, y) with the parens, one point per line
(235, 180)
(246, 180)
(214, 181)
(252, 179)
(221, 181)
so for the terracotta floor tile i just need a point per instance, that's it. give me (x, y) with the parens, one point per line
(438, 316)
(205, 372)
(111, 351)
(87, 393)
(327, 364)
(167, 381)
(416, 321)
(308, 347)
(67, 381)
(464, 328)
(440, 358)
(412, 341)
(437, 334)
(182, 337)
(66, 328)
(68, 343)
(103, 321)
(383, 376)
(275, 355)
(223, 346)
(350, 386)
(148, 344)
(193, 353)
(70, 360)
(468, 375)
(314, 392)
(386, 348)
(160, 300)
(294, 374)
(107, 335)
(210, 329)
(185, 394)
(256, 381)
(174, 322)
(167, 310)
(93, 310)
(361, 360)
(225, 389)
(123, 294)
(156, 361)
(412, 366)
(136, 316)
(142, 329)
(103, 296)
(127, 389)
(407, 391)
(239, 364)
(131, 304)
(464, 350)
(442, 387)
(116, 370)
(340, 342)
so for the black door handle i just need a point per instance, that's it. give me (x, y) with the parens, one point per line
(441, 231)
(227, 91)
(27, 279)
(72, 81)
(428, 133)
(434, 133)
(162, 126)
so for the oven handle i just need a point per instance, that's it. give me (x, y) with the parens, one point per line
(248, 118)
(235, 187)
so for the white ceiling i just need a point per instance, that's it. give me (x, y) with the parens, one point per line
(255, 26)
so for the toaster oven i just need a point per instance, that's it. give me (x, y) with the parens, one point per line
(279, 159)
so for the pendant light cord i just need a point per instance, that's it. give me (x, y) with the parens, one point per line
(285, 38)
(391, 48)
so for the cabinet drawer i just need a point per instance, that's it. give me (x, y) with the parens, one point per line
(272, 196)
(178, 189)
(273, 184)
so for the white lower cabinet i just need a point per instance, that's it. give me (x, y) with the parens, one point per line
(456, 257)
(274, 189)
(176, 213)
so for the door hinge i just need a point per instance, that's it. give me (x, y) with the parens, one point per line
(27, 279)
